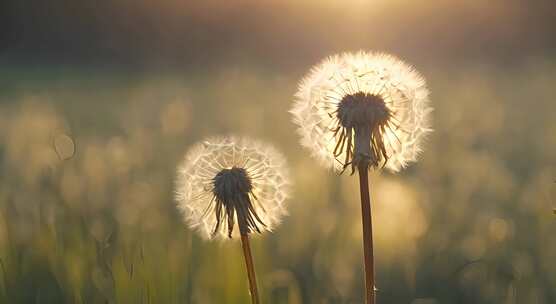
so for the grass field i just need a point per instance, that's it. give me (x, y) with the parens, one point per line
(471, 222)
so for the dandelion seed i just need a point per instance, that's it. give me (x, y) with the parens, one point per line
(364, 110)
(369, 108)
(229, 180)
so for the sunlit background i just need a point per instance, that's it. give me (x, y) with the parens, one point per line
(99, 100)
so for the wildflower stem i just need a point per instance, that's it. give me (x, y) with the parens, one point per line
(367, 234)
(250, 268)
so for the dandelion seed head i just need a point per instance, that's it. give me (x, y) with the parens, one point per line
(369, 108)
(223, 180)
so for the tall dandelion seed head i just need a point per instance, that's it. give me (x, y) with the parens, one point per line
(362, 109)
(228, 186)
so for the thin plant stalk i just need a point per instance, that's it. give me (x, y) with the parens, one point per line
(250, 268)
(367, 235)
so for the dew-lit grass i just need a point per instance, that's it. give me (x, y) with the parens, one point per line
(102, 224)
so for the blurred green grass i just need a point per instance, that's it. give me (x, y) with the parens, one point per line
(470, 223)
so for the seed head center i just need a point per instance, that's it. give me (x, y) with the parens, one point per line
(362, 109)
(232, 195)
(362, 121)
(231, 183)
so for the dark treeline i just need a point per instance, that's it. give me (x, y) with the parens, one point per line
(182, 33)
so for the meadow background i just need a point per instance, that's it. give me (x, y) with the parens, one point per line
(132, 84)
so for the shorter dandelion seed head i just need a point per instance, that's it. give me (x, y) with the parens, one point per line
(226, 182)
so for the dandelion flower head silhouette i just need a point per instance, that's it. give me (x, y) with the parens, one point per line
(373, 95)
(228, 180)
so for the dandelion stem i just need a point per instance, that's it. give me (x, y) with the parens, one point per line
(367, 235)
(250, 268)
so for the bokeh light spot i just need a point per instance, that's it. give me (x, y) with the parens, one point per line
(64, 146)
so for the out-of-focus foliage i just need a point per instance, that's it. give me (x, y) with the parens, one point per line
(470, 223)
(88, 157)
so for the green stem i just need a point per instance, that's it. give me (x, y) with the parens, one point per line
(367, 235)
(250, 268)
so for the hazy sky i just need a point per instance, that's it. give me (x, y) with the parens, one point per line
(177, 33)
